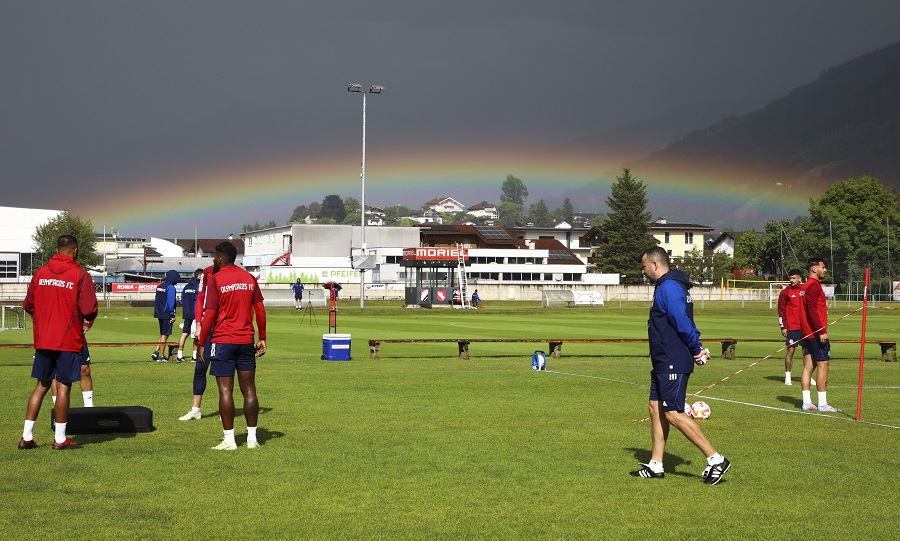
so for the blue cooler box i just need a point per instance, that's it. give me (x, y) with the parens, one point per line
(336, 347)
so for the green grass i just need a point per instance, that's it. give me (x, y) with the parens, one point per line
(423, 445)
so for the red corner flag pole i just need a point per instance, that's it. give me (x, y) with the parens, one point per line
(862, 346)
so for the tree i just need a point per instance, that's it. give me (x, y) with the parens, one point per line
(333, 207)
(66, 223)
(850, 220)
(256, 226)
(705, 267)
(300, 213)
(513, 191)
(539, 214)
(626, 229)
(568, 212)
(510, 214)
(395, 214)
(351, 206)
(748, 251)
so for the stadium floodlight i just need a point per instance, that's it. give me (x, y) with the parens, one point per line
(374, 89)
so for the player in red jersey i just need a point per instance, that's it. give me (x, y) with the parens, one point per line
(814, 325)
(60, 299)
(233, 297)
(789, 319)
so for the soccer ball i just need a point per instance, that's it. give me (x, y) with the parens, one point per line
(700, 410)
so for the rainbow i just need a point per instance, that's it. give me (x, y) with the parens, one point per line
(218, 200)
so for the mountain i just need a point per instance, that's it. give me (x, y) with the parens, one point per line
(844, 124)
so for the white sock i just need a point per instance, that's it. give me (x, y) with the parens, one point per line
(657, 467)
(229, 436)
(195, 410)
(54, 399)
(28, 431)
(806, 398)
(60, 432)
(251, 433)
(194, 355)
(787, 375)
(822, 400)
(715, 459)
(179, 353)
(88, 398)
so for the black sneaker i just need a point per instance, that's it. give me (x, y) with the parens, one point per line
(68, 444)
(29, 444)
(179, 360)
(647, 472)
(155, 356)
(716, 471)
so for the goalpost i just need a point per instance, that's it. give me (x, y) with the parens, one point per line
(774, 291)
(12, 318)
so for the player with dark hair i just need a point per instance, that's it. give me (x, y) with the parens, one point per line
(188, 300)
(674, 349)
(814, 326)
(233, 297)
(60, 298)
(789, 319)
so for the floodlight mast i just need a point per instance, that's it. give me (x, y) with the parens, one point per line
(374, 89)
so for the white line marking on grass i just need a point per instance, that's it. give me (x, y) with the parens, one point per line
(592, 377)
(795, 411)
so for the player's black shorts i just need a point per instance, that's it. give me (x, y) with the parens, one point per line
(670, 389)
(793, 338)
(814, 347)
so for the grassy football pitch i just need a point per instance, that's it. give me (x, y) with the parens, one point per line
(422, 445)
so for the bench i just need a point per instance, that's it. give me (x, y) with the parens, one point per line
(554, 345)
(173, 346)
(888, 347)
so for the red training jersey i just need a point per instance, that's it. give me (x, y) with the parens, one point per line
(814, 310)
(789, 308)
(60, 299)
(232, 297)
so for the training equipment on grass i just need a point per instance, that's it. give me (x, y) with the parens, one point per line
(700, 410)
(107, 420)
(539, 360)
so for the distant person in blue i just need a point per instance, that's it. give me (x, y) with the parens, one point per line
(298, 294)
(188, 299)
(674, 349)
(164, 311)
(476, 299)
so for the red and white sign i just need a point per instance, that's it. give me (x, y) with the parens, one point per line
(134, 287)
(434, 254)
(441, 295)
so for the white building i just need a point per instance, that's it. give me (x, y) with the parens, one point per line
(17, 247)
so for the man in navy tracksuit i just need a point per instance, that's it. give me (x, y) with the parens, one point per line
(164, 311)
(188, 299)
(674, 349)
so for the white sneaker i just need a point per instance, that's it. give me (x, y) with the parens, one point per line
(252, 444)
(190, 416)
(225, 446)
(787, 381)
